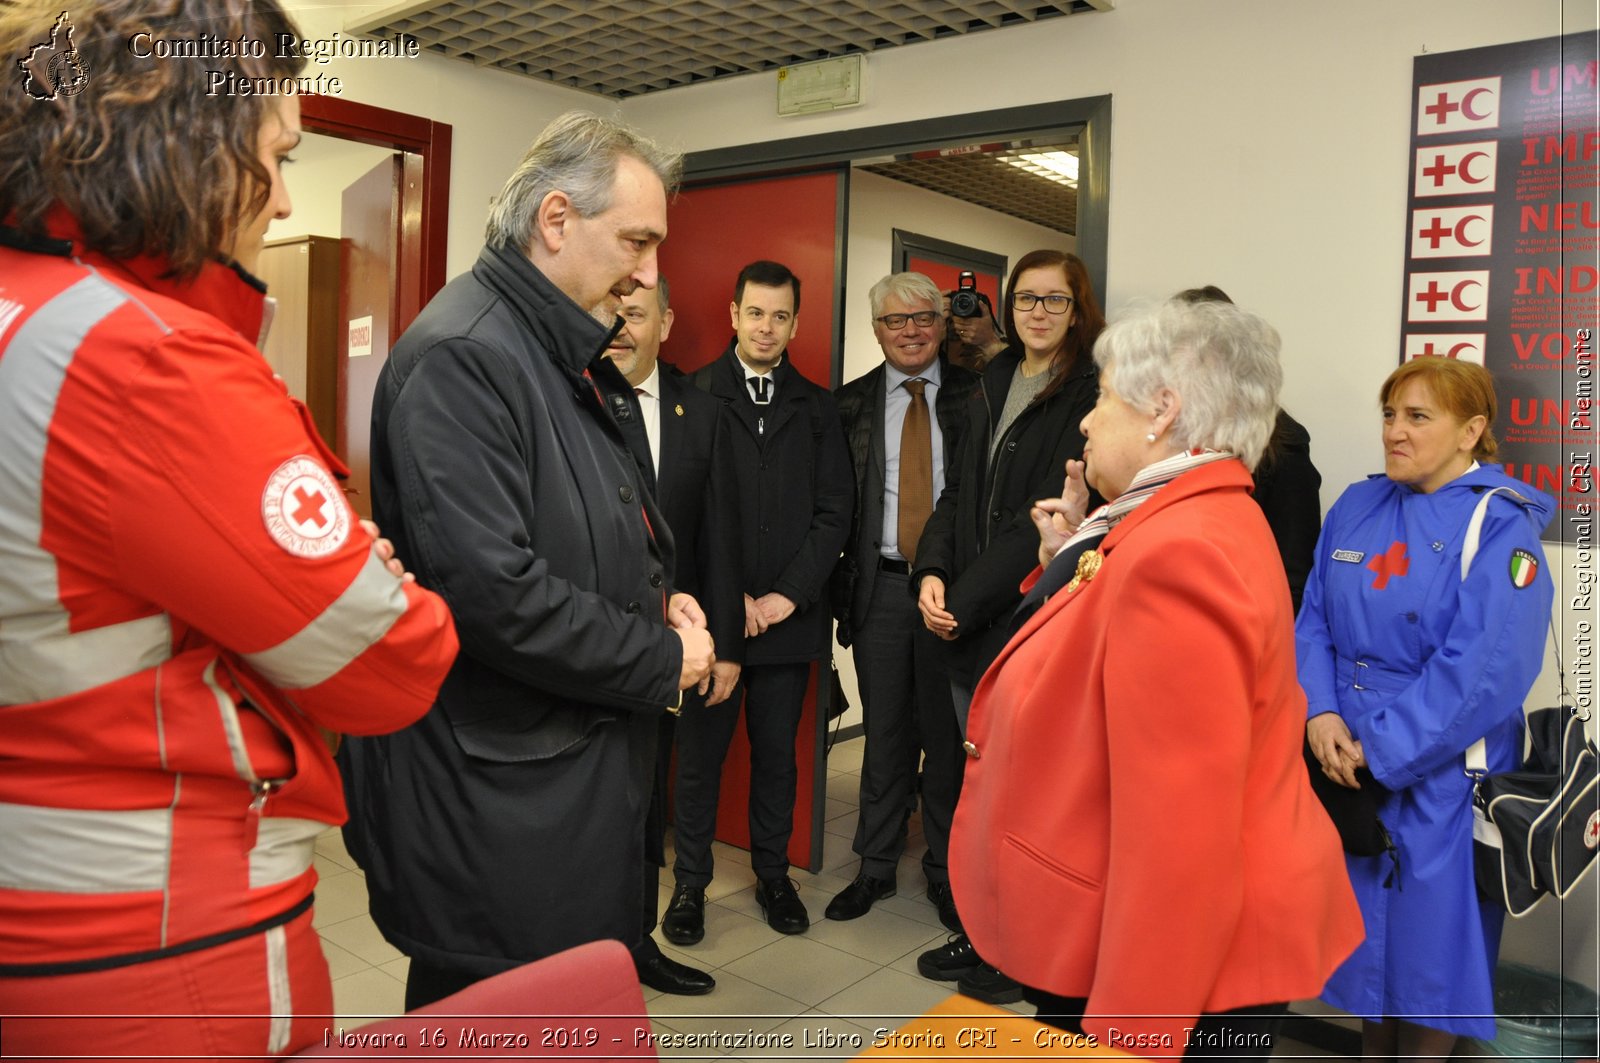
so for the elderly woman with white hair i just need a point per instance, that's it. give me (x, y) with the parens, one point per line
(1137, 841)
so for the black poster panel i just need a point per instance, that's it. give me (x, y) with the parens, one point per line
(1503, 248)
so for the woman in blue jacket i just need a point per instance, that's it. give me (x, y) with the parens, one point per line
(1406, 662)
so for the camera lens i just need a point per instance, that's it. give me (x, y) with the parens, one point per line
(964, 303)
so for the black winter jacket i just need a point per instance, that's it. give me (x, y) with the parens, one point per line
(794, 497)
(981, 540)
(1288, 490)
(508, 824)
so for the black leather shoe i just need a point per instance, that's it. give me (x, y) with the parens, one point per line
(669, 976)
(940, 897)
(987, 984)
(950, 961)
(780, 899)
(685, 921)
(856, 899)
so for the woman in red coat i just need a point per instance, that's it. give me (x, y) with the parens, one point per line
(1137, 840)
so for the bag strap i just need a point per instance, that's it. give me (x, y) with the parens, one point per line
(1477, 753)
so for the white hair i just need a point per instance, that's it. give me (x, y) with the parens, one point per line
(1221, 360)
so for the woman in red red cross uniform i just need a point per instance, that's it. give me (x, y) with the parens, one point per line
(186, 597)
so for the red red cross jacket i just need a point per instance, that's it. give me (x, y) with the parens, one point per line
(185, 595)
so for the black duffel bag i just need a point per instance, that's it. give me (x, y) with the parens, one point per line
(1536, 831)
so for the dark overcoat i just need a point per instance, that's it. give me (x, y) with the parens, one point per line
(696, 489)
(508, 823)
(794, 497)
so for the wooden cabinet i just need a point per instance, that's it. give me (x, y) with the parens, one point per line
(302, 346)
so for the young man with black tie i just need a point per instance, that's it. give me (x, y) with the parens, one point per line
(794, 498)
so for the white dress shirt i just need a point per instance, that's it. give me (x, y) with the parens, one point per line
(649, 396)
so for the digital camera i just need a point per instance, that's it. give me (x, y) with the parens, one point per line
(964, 300)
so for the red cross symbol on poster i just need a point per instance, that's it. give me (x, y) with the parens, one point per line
(1458, 105)
(1456, 169)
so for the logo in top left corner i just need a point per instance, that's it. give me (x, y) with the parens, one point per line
(54, 68)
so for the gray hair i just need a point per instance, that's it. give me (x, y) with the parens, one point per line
(908, 288)
(1222, 361)
(576, 154)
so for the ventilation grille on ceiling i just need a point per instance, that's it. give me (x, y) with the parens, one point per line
(984, 178)
(624, 48)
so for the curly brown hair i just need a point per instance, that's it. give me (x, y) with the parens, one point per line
(144, 158)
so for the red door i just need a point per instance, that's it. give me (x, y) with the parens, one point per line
(713, 232)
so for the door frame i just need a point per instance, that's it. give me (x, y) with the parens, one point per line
(366, 124)
(1092, 113)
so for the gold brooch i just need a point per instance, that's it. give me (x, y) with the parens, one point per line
(678, 410)
(1088, 565)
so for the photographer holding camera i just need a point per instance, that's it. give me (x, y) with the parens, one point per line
(973, 336)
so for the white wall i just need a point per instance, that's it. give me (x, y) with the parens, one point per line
(1256, 144)
(323, 168)
(494, 115)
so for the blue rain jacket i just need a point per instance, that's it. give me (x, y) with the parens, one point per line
(1420, 665)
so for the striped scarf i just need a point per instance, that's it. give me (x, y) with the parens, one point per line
(1146, 482)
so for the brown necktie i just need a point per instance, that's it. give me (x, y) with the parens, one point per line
(916, 470)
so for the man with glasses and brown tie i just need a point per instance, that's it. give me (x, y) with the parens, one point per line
(889, 418)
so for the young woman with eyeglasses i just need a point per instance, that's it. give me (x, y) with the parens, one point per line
(981, 542)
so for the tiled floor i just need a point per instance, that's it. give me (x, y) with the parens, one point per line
(838, 980)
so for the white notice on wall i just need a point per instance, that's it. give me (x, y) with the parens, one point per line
(360, 337)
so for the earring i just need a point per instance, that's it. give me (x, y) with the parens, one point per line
(1150, 437)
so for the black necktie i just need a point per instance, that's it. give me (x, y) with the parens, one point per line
(762, 388)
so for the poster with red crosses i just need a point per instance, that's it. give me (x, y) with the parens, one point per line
(1503, 248)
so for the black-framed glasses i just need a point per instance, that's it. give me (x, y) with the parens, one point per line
(896, 322)
(1054, 304)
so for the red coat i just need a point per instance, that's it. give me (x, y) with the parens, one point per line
(1136, 825)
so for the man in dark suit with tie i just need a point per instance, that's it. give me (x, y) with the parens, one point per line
(900, 453)
(688, 464)
(793, 483)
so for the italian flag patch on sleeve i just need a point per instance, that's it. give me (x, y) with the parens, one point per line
(1524, 568)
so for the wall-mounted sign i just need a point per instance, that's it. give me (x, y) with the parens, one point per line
(1503, 249)
(360, 337)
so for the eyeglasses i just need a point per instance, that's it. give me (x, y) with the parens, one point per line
(1055, 304)
(896, 322)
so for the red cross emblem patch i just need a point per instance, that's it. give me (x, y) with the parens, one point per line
(1591, 832)
(303, 508)
(1391, 563)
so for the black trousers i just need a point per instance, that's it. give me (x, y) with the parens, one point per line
(908, 718)
(772, 696)
(428, 984)
(1245, 1034)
